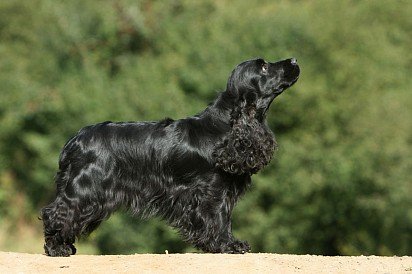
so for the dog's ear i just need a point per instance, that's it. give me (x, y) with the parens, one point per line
(249, 145)
(239, 82)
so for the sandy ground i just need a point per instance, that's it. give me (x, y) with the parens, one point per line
(202, 263)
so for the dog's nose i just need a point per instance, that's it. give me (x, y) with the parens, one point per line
(293, 61)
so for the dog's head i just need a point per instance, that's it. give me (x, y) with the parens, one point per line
(258, 82)
(253, 85)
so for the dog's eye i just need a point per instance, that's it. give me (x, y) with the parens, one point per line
(264, 67)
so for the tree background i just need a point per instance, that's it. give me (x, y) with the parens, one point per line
(340, 182)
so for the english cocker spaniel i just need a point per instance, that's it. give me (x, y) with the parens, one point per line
(190, 171)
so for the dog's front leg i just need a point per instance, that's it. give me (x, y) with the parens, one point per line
(211, 230)
(235, 245)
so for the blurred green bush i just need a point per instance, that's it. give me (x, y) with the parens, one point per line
(341, 180)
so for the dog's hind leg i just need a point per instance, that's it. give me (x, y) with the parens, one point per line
(59, 227)
(76, 211)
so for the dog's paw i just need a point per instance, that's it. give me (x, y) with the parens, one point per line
(60, 250)
(237, 247)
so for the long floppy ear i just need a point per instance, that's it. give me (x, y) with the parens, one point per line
(249, 145)
(239, 80)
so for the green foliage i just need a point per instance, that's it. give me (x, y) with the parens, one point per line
(145, 236)
(341, 179)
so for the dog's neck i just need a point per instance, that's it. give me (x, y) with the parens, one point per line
(222, 107)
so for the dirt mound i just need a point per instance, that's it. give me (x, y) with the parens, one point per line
(202, 263)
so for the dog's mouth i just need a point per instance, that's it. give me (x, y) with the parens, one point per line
(291, 75)
(284, 86)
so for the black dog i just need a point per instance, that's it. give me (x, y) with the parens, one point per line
(191, 172)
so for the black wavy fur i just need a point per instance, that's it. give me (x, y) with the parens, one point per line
(191, 171)
(248, 146)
